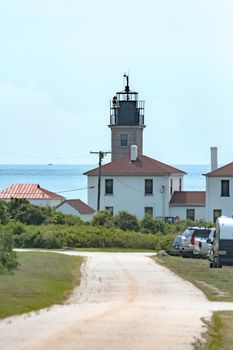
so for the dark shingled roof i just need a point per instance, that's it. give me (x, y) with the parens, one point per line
(183, 198)
(79, 205)
(226, 170)
(142, 166)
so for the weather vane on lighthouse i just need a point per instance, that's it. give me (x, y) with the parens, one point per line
(127, 90)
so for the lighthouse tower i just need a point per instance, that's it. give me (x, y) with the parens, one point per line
(126, 122)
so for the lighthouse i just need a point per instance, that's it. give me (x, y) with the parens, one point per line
(126, 122)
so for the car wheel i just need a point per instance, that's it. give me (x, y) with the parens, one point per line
(216, 263)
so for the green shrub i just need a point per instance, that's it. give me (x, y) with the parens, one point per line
(102, 218)
(164, 242)
(8, 260)
(4, 216)
(21, 210)
(126, 221)
(153, 225)
(15, 228)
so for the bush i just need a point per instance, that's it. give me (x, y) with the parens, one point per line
(126, 221)
(153, 225)
(4, 217)
(102, 218)
(15, 228)
(21, 210)
(8, 260)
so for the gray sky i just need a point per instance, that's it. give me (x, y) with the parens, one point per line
(63, 60)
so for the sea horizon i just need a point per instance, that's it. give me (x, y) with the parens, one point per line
(69, 181)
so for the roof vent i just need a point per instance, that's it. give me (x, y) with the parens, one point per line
(133, 153)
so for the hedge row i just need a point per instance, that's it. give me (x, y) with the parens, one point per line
(84, 236)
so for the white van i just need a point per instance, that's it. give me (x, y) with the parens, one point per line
(222, 249)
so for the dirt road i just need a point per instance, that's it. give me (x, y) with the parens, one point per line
(126, 301)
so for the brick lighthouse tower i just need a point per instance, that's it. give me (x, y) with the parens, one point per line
(126, 122)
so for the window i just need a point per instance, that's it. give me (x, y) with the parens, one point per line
(110, 209)
(180, 184)
(148, 211)
(171, 186)
(225, 188)
(190, 214)
(109, 186)
(148, 186)
(216, 214)
(124, 140)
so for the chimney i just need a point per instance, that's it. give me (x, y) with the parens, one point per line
(214, 158)
(133, 153)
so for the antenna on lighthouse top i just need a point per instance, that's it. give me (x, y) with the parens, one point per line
(127, 90)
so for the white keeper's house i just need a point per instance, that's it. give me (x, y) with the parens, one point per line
(137, 184)
(134, 182)
(219, 192)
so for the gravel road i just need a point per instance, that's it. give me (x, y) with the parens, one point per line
(125, 301)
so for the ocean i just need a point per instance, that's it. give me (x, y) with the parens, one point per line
(69, 181)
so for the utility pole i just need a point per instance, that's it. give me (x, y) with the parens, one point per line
(101, 156)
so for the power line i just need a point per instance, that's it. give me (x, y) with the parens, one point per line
(42, 157)
(63, 191)
(76, 189)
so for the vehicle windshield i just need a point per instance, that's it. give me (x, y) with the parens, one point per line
(187, 233)
(202, 233)
(177, 240)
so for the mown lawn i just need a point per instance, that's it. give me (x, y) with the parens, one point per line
(41, 280)
(217, 285)
(219, 335)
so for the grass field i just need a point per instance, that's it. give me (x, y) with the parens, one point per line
(217, 285)
(41, 280)
(219, 334)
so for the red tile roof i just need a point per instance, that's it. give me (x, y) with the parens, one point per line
(79, 205)
(28, 191)
(226, 170)
(142, 166)
(182, 198)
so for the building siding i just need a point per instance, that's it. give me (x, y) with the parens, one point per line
(214, 200)
(129, 194)
(67, 209)
(135, 137)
